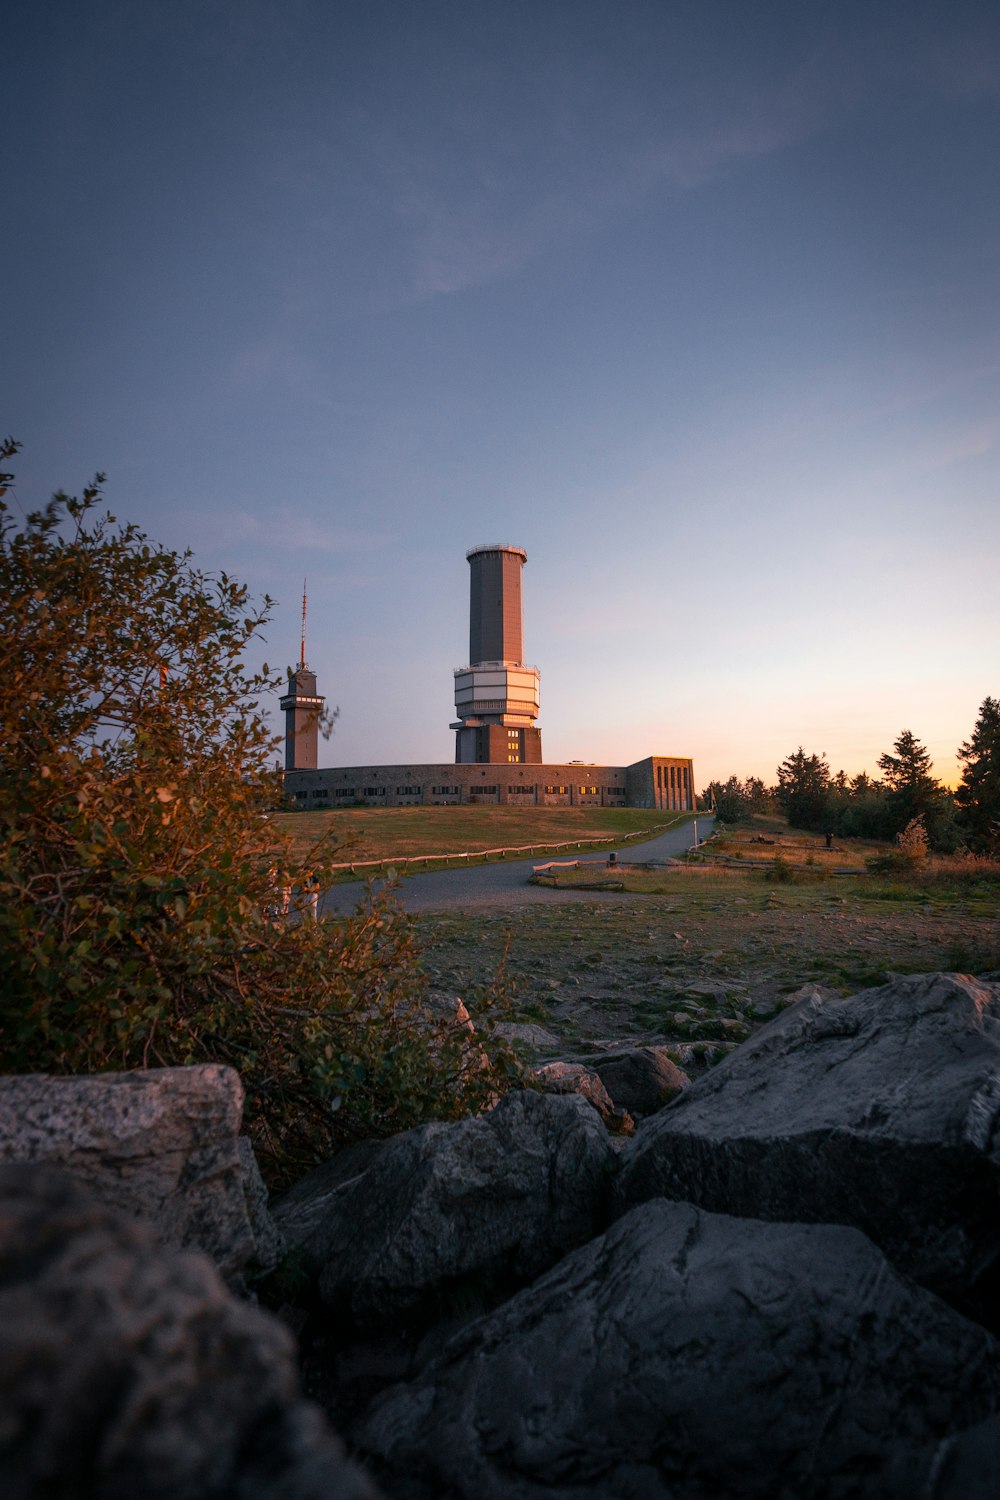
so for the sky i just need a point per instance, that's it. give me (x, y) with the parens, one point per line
(696, 302)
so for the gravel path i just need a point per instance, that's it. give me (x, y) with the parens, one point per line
(506, 884)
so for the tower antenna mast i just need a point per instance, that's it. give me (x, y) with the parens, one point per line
(302, 659)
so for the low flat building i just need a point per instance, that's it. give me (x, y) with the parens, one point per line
(660, 781)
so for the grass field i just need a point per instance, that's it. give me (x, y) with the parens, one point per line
(753, 848)
(698, 956)
(395, 833)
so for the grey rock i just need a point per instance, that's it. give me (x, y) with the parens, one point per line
(810, 991)
(574, 1078)
(687, 1354)
(161, 1145)
(527, 1034)
(468, 1210)
(642, 1079)
(269, 1246)
(712, 989)
(704, 1052)
(879, 1110)
(129, 1370)
(963, 1467)
(300, 1213)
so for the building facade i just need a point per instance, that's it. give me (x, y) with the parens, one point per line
(661, 782)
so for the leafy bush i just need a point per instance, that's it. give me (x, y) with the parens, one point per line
(140, 875)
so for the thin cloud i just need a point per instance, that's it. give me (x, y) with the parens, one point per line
(282, 529)
(501, 203)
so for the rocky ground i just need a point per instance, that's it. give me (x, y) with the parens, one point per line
(780, 1279)
(705, 964)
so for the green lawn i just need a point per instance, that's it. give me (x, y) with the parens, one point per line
(394, 833)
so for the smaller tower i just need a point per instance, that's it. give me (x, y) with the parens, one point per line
(302, 707)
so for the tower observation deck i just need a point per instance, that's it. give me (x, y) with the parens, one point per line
(496, 696)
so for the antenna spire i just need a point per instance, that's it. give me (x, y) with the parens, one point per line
(302, 660)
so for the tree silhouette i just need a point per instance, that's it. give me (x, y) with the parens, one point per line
(978, 793)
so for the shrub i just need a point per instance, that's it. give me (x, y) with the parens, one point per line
(910, 852)
(779, 871)
(140, 875)
(912, 842)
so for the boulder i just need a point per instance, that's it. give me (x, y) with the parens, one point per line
(641, 1079)
(525, 1034)
(574, 1078)
(300, 1213)
(130, 1370)
(963, 1467)
(460, 1212)
(879, 1110)
(687, 1354)
(163, 1146)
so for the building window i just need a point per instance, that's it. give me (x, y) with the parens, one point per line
(345, 791)
(444, 791)
(407, 791)
(373, 791)
(588, 791)
(556, 791)
(524, 791)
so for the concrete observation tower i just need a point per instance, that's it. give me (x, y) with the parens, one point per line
(496, 696)
(302, 707)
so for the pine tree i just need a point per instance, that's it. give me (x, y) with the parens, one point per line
(978, 794)
(912, 792)
(803, 789)
(909, 770)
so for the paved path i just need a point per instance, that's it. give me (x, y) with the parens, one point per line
(506, 883)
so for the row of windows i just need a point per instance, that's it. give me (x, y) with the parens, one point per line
(350, 794)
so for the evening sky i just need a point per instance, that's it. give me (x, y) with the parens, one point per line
(699, 303)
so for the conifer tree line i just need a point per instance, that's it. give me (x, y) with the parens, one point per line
(862, 806)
